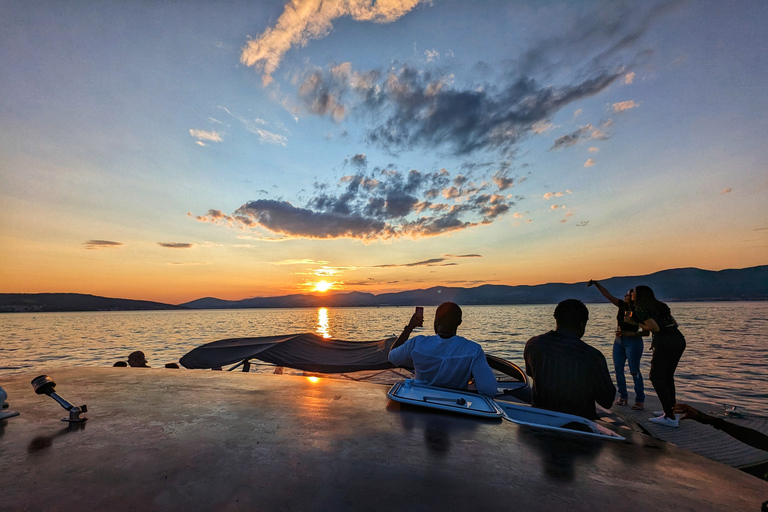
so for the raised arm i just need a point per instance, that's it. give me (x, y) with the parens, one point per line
(415, 320)
(605, 292)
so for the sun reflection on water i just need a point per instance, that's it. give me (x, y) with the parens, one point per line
(322, 323)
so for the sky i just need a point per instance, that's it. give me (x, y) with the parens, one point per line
(170, 151)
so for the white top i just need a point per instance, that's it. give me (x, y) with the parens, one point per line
(446, 363)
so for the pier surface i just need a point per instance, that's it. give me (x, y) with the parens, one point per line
(704, 440)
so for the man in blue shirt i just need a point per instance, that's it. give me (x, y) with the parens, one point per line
(445, 359)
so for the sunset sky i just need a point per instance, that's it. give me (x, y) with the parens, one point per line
(175, 150)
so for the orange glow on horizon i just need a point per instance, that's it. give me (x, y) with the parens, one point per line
(313, 380)
(323, 286)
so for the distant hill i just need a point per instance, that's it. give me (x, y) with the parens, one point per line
(675, 285)
(44, 302)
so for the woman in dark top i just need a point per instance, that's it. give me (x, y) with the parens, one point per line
(628, 346)
(668, 346)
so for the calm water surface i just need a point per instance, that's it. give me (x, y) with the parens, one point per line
(725, 361)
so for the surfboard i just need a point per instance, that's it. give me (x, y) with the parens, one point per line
(463, 402)
(523, 414)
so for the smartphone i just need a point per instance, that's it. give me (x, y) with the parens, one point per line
(420, 314)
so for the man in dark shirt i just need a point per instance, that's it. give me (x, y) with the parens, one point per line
(568, 375)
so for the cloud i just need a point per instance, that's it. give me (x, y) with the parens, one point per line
(726, 190)
(418, 108)
(589, 163)
(424, 263)
(432, 262)
(175, 245)
(582, 224)
(299, 262)
(405, 108)
(550, 195)
(360, 161)
(303, 20)
(629, 78)
(503, 181)
(624, 105)
(101, 244)
(380, 204)
(542, 127)
(582, 133)
(430, 108)
(431, 55)
(254, 127)
(202, 135)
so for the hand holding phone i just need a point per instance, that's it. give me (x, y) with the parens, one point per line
(419, 315)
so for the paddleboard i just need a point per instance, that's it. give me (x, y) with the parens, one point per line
(464, 402)
(523, 414)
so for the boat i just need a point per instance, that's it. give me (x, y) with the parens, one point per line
(175, 439)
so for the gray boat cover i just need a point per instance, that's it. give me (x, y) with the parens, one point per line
(309, 352)
(312, 353)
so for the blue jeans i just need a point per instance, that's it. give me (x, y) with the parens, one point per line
(629, 348)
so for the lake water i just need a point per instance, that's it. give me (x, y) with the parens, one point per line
(725, 361)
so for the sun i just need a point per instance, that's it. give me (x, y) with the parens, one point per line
(323, 286)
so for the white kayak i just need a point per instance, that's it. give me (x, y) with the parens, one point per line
(465, 402)
(524, 414)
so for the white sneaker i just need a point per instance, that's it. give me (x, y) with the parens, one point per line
(663, 420)
(658, 413)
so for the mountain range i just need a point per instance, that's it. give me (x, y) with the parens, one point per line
(674, 285)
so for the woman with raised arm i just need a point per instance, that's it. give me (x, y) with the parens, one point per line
(668, 346)
(628, 346)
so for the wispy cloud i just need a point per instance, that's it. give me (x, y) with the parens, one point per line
(175, 245)
(303, 20)
(624, 105)
(440, 262)
(299, 262)
(203, 136)
(255, 127)
(589, 163)
(726, 190)
(585, 132)
(629, 78)
(101, 244)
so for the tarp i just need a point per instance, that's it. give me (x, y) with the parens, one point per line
(307, 351)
